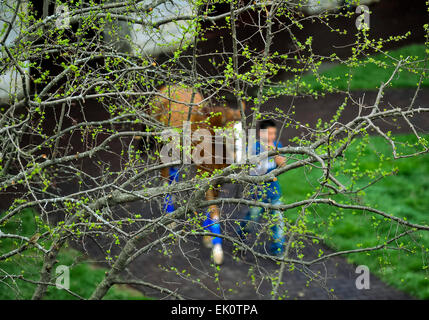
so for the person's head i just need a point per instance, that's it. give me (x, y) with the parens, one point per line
(268, 131)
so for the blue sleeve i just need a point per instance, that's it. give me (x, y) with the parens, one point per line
(257, 148)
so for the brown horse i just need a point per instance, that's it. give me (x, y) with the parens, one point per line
(176, 105)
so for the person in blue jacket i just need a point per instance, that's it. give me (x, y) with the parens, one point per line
(269, 192)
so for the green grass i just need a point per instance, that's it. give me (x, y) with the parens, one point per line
(84, 275)
(366, 74)
(403, 195)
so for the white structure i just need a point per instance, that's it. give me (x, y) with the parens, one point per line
(317, 6)
(11, 86)
(139, 38)
(145, 39)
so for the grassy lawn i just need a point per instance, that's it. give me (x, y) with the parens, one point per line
(84, 276)
(403, 195)
(365, 74)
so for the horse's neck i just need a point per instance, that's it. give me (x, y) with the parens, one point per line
(216, 115)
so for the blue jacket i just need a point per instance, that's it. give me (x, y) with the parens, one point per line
(269, 191)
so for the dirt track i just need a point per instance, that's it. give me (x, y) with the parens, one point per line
(234, 280)
(191, 260)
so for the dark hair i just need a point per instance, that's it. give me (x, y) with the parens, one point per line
(267, 123)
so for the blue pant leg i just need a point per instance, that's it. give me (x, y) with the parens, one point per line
(213, 226)
(168, 201)
(173, 175)
(168, 204)
(253, 215)
(278, 229)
